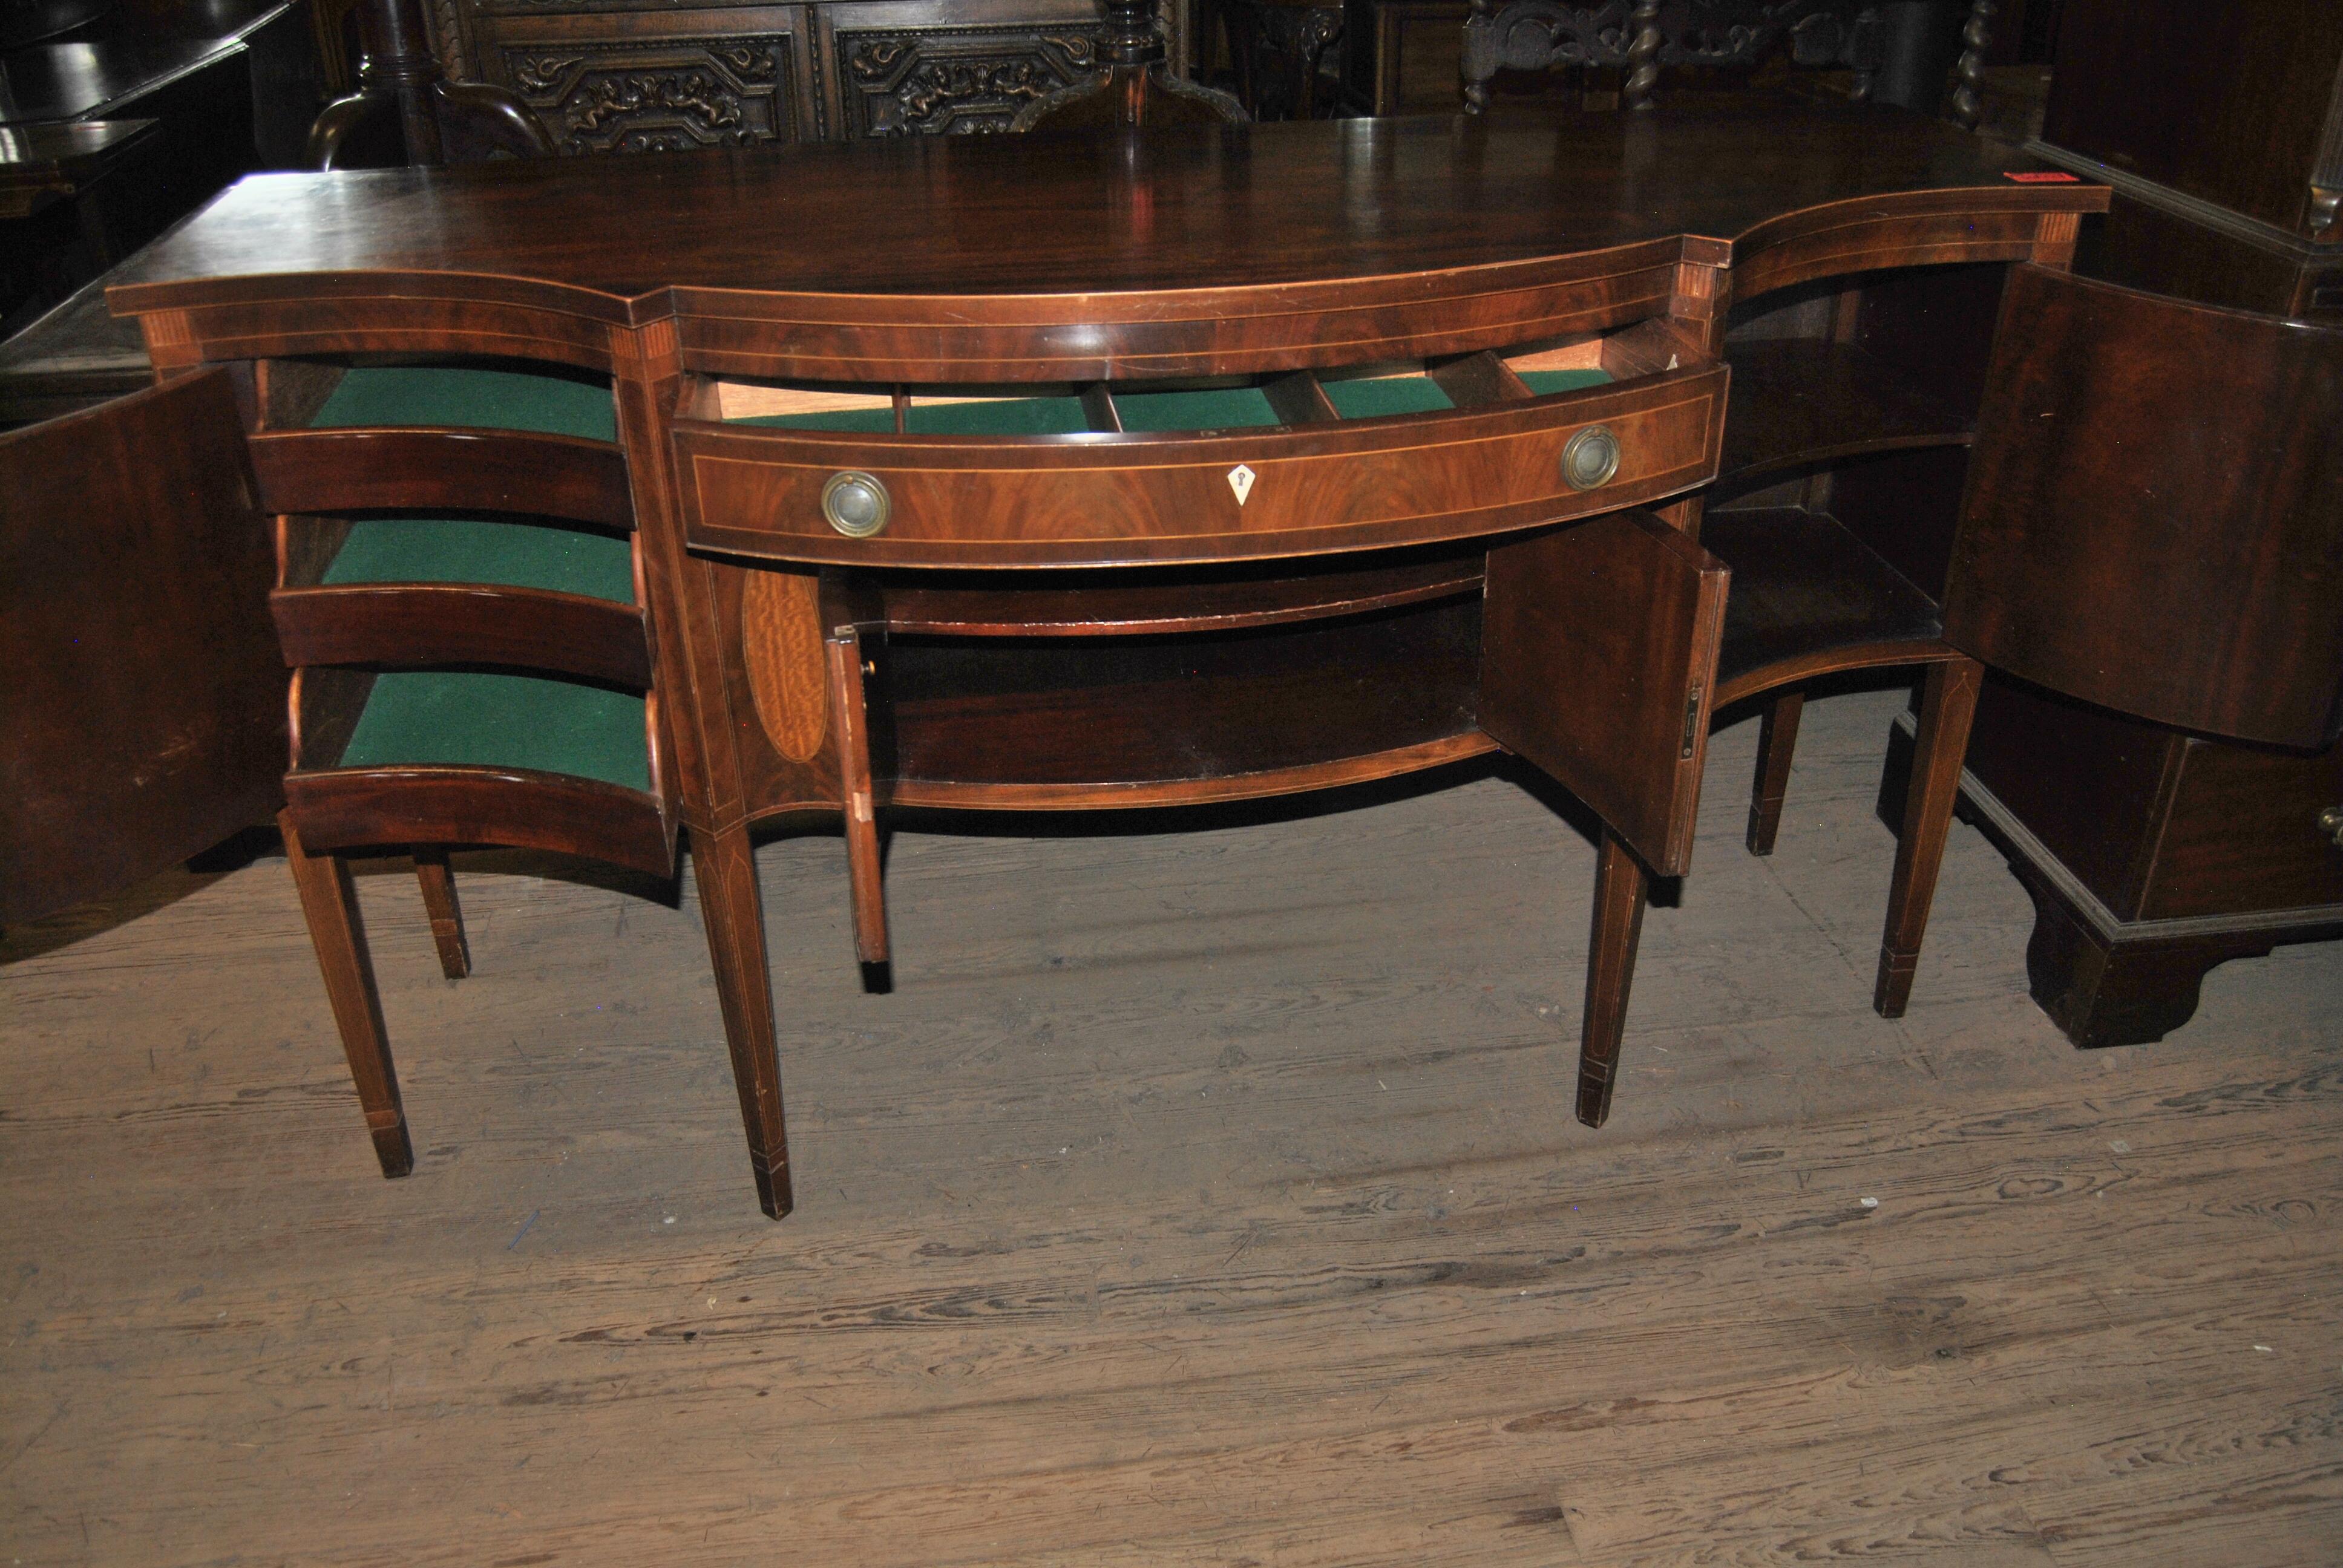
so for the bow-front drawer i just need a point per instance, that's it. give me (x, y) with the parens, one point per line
(1133, 474)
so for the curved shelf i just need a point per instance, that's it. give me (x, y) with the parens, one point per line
(1329, 775)
(444, 803)
(502, 720)
(415, 624)
(1141, 720)
(347, 470)
(1129, 609)
(470, 396)
(1796, 403)
(1808, 599)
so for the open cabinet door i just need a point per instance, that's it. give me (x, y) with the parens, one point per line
(142, 710)
(1598, 656)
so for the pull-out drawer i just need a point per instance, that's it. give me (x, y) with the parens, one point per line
(1129, 474)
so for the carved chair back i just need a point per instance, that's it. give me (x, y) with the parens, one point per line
(2153, 520)
(1644, 36)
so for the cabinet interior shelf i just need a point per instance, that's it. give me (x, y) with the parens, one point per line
(1805, 593)
(1795, 402)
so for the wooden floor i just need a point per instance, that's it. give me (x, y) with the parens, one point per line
(1196, 1198)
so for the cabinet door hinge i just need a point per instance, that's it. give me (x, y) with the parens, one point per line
(1692, 722)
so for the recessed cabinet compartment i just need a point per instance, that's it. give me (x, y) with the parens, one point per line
(460, 596)
(437, 514)
(1233, 468)
(473, 756)
(1170, 717)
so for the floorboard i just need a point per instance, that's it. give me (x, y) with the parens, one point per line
(1206, 1197)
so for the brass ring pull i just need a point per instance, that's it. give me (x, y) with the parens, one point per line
(2330, 822)
(1590, 459)
(855, 504)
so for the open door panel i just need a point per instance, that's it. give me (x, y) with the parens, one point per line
(145, 710)
(1598, 656)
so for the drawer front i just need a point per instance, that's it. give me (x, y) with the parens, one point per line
(1095, 500)
(2244, 836)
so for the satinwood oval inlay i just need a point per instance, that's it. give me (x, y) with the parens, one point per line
(780, 632)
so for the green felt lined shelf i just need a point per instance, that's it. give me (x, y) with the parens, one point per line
(1544, 381)
(487, 399)
(1007, 416)
(435, 716)
(859, 421)
(483, 550)
(477, 550)
(1211, 408)
(1370, 399)
(988, 417)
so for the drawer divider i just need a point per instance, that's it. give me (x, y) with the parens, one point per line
(1300, 400)
(1477, 379)
(1098, 406)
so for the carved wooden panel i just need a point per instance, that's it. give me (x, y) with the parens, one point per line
(953, 80)
(641, 75)
(657, 95)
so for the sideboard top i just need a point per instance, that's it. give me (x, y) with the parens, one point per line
(631, 240)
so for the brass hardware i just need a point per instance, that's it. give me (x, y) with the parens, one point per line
(1692, 722)
(2330, 822)
(855, 504)
(1590, 458)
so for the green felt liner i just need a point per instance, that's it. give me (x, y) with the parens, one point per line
(468, 550)
(1213, 408)
(1544, 381)
(989, 416)
(503, 721)
(488, 399)
(862, 421)
(1365, 399)
(1005, 416)
(483, 550)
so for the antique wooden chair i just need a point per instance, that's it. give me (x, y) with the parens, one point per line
(1134, 90)
(406, 111)
(1277, 50)
(1642, 37)
(2152, 522)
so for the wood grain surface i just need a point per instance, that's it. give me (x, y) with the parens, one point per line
(1116, 499)
(1211, 1198)
(1195, 252)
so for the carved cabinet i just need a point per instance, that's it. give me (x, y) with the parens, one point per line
(621, 77)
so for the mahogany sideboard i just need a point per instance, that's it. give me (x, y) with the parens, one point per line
(1269, 459)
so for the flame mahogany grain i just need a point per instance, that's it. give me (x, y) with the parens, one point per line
(1274, 251)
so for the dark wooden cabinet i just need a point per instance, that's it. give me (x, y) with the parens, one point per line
(631, 78)
(2226, 160)
(634, 82)
(2151, 855)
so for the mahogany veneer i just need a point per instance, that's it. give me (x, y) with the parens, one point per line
(1100, 618)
